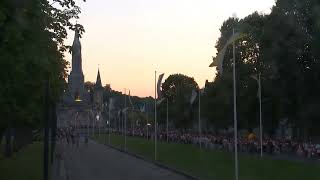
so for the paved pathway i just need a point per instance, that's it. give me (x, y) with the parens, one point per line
(99, 162)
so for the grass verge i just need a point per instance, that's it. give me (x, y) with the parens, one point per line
(26, 164)
(217, 165)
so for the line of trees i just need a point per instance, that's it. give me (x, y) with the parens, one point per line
(32, 49)
(283, 48)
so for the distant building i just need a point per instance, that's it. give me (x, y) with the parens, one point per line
(107, 87)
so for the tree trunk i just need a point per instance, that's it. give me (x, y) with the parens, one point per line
(16, 139)
(8, 147)
(19, 140)
(1, 136)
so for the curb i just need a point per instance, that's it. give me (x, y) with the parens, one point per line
(155, 163)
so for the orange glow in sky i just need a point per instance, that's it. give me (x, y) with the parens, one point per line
(130, 39)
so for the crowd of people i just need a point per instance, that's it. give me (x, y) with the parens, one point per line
(247, 144)
(71, 136)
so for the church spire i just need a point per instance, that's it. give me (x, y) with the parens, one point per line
(98, 81)
(76, 40)
(76, 53)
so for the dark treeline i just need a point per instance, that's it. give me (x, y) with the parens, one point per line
(32, 49)
(283, 48)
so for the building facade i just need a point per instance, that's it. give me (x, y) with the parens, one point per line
(77, 108)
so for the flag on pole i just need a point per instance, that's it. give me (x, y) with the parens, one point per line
(111, 107)
(159, 93)
(255, 77)
(193, 96)
(143, 108)
(218, 61)
(160, 101)
(119, 114)
(130, 101)
(124, 110)
(159, 85)
(202, 91)
(111, 104)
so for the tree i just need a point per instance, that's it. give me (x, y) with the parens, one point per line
(32, 51)
(292, 52)
(248, 62)
(283, 48)
(178, 88)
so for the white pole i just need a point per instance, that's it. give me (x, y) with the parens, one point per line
(125, 121)
(155, 115)
(199, 125)
(235, 112)
(167, 120)
(147, 117)
(99, 125)
(75, 121)
(93, 124)
(122, 120)
(132, 126)
(260, 108)
(88, 123)
(109, 124)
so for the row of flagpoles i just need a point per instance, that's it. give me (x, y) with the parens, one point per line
(217, 62)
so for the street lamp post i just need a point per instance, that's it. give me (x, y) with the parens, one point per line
(46, 131)
(155, 115)
(260, 109)
(92, 116)
(147, 118)
(235, 111)
(108, 125)
(98, 117)
(167, 120)
(109, 122)
(125, 120)
(199, 118)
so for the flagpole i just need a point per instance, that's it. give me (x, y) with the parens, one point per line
(93, 124)
(167, 120)
(147, 117)
(88, 125)
(125, 121)
(155, 115)
(235, 111)
(260, 108)
(98, 128)
(109, 123)
(199, 118)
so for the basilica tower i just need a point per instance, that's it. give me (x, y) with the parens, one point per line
(76, 78)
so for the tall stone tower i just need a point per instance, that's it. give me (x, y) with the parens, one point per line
(76, 78)
(98, 94)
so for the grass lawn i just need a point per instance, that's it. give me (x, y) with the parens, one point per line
(217, 165)
(23, 165)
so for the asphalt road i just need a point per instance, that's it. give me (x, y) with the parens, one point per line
(99, 162)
